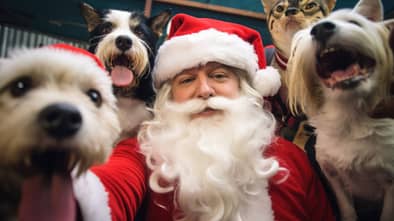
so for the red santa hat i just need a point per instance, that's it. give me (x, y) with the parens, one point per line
(196, 41)
(78, 51)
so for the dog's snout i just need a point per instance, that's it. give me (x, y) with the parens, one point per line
(323, 31)
(291, 11)
(60, 120)
(123, 43)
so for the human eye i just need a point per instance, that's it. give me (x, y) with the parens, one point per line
(219, 75)
(185, 79)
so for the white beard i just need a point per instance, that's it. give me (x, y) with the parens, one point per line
(214, 164)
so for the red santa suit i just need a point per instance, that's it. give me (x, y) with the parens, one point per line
(122, 184)
(116, 189)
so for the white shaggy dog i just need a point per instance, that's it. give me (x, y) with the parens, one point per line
(57, 112)
(341, 68)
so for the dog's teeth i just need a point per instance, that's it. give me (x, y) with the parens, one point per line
(327, 50)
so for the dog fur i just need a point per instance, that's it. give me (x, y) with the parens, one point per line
(284, 19)
(127, 41)
(340, 69)
(57, 112)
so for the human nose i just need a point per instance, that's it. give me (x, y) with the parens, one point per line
(205, 90)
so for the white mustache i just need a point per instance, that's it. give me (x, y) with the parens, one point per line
(197, 105)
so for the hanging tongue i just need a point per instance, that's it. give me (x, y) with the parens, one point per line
(47, 199)
(121, 76)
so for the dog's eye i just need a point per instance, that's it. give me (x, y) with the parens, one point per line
(279, 8)
(21, 86)
(107, 28)
(309, 6)
(138, 31)
(354, 22)
(95, 96)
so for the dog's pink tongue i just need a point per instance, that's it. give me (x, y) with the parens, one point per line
(47, 199)
(121, 76)
(350, 71)
(340, 75)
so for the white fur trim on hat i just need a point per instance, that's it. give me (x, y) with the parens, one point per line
(188, 51)
(267, 81)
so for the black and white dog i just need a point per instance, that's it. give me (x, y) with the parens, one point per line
(126, 43)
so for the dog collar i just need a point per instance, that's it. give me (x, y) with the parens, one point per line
(281, 60)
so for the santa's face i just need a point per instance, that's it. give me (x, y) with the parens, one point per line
(213, 162)
(203, 82)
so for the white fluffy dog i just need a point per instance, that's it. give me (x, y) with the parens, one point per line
(341, 68)
(57, 112)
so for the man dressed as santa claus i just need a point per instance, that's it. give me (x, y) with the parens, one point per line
(211, 148)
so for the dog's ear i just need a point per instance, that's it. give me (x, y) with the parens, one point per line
(390, 25)
(330, 4)
(267, 5)
(92, 16)
(158, 22)
(371, 9)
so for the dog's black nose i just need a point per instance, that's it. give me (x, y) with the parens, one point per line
(323, 31)
(291, 11)
(123, 42)
(60, 120)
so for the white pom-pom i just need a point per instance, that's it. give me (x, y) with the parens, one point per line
(267, 81)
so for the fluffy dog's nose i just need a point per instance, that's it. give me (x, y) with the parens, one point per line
(60, 120)
(123, 43)
(323, 31)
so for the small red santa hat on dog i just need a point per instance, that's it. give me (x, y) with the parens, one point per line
(196, 41)
(77, 51)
